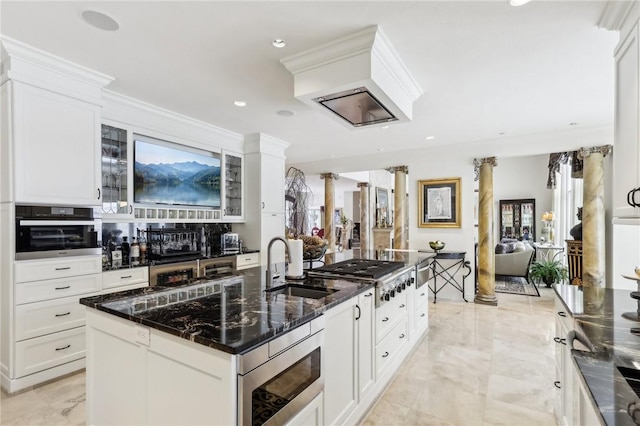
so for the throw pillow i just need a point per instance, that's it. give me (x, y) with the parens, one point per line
(519, 247)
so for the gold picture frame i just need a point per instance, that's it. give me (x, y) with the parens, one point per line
(439, 203)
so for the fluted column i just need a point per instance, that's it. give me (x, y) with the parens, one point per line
(486, 261)
(364, 216)
(400, 230)
(593, 226)
(329, 208)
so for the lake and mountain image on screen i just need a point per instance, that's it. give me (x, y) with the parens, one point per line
(167, 175)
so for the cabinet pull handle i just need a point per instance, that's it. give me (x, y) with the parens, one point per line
(386, 354)
(368, 295)
(63, 348)
(63, 315)
(125, 277)
(630, 200)
(557, 384)
(263, 205)
(633, 197)
(130, 209)
(401, 306)
(63, 269)
(99, 193)
(563, 342)
(421, 294)
(401, 336)
(422, 315)
(562, 314)
(359, 312)
(556, 339)
(385, 319)
(63, 288)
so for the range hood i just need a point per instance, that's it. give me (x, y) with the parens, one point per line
(359, 80)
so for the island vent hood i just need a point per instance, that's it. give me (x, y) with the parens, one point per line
(358, 79)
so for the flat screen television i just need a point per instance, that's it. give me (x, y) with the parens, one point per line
(172, 174)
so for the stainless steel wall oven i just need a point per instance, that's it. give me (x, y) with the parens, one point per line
(44, 232)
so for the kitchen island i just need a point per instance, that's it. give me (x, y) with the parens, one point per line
(599, 387)
(154, 349)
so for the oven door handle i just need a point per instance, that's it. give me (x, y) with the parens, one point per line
(56, 222)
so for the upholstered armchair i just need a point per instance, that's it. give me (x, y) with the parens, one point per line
(515, 263)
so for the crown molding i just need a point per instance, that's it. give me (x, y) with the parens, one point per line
(616, 13)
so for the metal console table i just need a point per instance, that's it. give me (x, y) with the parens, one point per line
(447, 271)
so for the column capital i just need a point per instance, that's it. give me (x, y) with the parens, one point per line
(585, 152)
(394, 169)
(493, 161)
(334, 176)
(363, 184)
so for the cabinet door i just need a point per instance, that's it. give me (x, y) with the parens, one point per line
(271, 225)
(626, 154)
(117, 182)
(56, 148)
(272, 184)
(340, 384)
(366, 343)
(233, 174)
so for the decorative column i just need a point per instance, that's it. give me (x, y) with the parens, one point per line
(364, 218)
(329, 208)
(593, 227)
(400, 207)
(486, 293)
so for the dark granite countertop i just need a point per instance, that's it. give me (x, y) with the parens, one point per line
(409, 257)
(598, 315)
(232, 313)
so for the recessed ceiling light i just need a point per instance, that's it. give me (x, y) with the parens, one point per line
(518, 2)
(285, 113)
(501, 133)
(240, 103)
(100, 20)
(279, 43)
(384, 127)
(380, 149)
(573, 124)
(430, 138)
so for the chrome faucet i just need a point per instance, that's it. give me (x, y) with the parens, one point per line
(286, 247)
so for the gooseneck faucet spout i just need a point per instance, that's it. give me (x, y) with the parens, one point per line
(269, 272)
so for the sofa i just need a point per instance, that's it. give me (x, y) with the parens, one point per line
(513, 258)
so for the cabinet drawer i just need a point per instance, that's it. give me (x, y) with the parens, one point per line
(389, 313)
(48, 351)
(124, 277)
(35, 270)
(248, 260)
(125, 288)
(40, 318)
(390, 346)
(54, 289)
(421, 316)
(421, 295)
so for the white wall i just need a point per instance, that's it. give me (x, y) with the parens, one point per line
(522, 177)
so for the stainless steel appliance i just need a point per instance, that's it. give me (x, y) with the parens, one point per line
(277, 379)
(49, 231)
(215, 266)
(230, 243)
(390, 278)
(423, 272)
(172, 274)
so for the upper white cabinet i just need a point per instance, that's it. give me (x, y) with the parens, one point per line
(116, 185)
(272, 184)
(53, 111)
(233, 178)
(626, 155)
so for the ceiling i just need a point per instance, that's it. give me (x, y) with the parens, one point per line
(490, 73)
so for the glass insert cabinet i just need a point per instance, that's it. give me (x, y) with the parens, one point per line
(114, 161)
(517, 218)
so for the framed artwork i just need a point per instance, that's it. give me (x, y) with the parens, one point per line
(439, 203)
(383, 215)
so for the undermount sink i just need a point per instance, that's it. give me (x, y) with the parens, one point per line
(300, 290)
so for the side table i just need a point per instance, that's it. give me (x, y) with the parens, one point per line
(445, 265)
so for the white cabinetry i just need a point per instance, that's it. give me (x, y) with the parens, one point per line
(564, 369)
(125, 278)
(264, 194)
(54, 117)
(626, 155)
(349, 372)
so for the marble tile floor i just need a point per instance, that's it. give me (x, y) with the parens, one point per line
(480, 365)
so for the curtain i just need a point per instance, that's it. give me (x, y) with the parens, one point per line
(555, 160)
(567, 197)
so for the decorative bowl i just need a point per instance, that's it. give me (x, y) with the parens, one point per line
(436, 245)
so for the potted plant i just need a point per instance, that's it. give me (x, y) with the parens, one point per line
(548, 271)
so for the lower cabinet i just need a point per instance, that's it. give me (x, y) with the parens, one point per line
(349, 365)
(311, 415)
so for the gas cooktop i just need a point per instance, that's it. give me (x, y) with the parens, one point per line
(362, 268)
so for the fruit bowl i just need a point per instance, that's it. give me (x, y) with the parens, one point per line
(436, 245)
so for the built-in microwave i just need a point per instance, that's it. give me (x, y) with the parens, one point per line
(46, 231)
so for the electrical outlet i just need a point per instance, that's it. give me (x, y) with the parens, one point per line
(143, 335)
